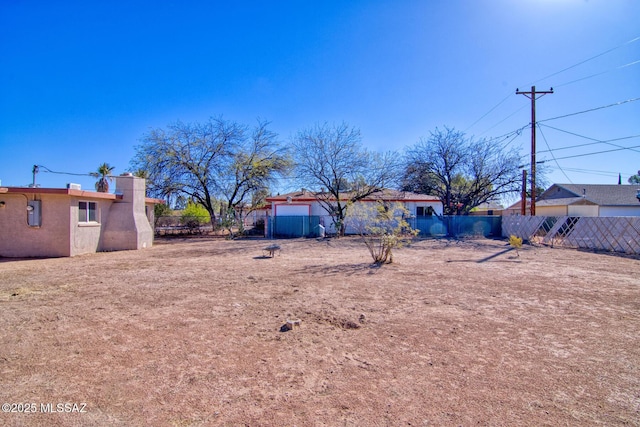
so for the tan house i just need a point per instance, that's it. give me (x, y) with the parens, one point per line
(590, 200)
(305, 204)
(61, 222)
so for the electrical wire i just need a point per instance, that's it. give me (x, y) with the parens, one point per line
(597, 172)
(588, 59)
(46, 169)
(598, 74)
(592, 154)
(514, 133)
(590, 110)
(506, 118)
(597, 141)
(490, 111)
(552, 156)
(564, 84)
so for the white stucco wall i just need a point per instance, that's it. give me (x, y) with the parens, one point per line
(582, 210)
(620, 210)
(127, 225)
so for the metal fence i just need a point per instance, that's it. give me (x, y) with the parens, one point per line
(457, 226)
(293, 226)
(453, 226)
(617, 234)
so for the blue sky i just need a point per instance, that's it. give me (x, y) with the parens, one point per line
(82, 81)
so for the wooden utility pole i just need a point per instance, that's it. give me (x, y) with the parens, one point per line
(532, 96)
(523, 203)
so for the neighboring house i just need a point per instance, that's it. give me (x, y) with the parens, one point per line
(487, 209)
(256, 216)
(60, 222)
(305, 203)
(591, 200)
(515, 209)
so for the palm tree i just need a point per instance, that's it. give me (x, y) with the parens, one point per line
(104, 173)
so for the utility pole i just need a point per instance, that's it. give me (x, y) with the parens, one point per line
(523, 202)
(532, 96)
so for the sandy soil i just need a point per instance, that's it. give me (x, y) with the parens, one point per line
(189, 333)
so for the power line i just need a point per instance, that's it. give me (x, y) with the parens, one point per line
(46, 169)
(597, 141)
(592, 154)
(505, 119)
(599, 74)
(514, 133)
(552, 156)
(597, 172)
(489, 112)
(564, 84)
(590, 110)
(589, 59)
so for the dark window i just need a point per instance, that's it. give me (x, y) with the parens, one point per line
(424, 211)
(87, 212)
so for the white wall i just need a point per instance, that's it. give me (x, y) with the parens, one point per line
(292, 210)
(620, 210)
(582, 210)
(551, 210)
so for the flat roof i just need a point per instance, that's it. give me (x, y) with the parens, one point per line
(71, 192)
(63, 192)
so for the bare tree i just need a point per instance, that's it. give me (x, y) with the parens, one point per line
(462, 172)
(218, 160)
(257, 163)
(330, 160)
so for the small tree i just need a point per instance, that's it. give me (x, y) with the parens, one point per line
(194, 216)
(104, 175)
(516, 243)
(634, 179)
(382, 227)
(161, 210)
(229, 219)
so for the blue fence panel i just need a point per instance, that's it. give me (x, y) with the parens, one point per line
(455, 226)
(475, 226)
(294, 226)
(431, 226)
(434, 226)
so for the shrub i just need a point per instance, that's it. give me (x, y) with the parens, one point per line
(516, 243)
(194, 216)
(382, 226)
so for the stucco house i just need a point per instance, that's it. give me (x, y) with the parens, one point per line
(590, 200)
(305, 204)
(62, 222)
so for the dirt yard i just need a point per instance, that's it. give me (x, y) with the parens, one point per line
(190, 333)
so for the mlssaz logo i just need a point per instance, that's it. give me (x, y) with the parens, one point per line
(64, 407)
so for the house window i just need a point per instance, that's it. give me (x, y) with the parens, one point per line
(424, 211)
(87, 212)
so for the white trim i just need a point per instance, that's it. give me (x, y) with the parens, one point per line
(88, 221)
